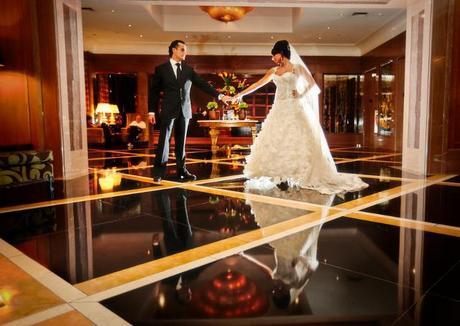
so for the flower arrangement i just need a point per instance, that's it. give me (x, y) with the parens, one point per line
(212, 105)
(232, 86)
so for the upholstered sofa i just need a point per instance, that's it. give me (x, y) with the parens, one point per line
(23, 167)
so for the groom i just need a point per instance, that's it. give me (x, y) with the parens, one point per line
(175, 78)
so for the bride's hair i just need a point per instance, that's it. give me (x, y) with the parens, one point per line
(282, 47)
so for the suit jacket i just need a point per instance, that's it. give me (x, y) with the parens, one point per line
(176, 93)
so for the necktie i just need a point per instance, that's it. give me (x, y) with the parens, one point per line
(179, 70)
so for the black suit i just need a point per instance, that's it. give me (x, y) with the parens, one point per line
(176, 110)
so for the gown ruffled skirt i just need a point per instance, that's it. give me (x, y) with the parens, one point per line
(291, 147)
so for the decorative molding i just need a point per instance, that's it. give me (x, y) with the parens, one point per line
(275, 4)
(220, 49)
(386, 33)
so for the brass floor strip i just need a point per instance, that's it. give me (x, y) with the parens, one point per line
(344, 150)
(450, 184)
(79, 199)
(218, 179)
(383, 161)
(407, 223)
(381, 177)
(110, 158)
(367, 158)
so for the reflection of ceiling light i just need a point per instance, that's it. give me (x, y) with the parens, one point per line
(226, 14)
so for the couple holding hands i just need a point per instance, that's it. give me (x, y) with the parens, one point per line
(290, 150)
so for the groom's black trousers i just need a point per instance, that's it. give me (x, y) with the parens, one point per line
(179, 125)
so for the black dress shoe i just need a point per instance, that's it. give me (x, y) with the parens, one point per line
(186, 176)
(157, 178)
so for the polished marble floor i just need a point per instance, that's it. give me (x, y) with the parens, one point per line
(114, 247)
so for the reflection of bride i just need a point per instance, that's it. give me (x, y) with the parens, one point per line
(296, 254)
(291, 147)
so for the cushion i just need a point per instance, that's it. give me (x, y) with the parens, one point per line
(8, 159)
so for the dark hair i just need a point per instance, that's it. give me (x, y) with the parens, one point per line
(174, 45)
(282, 47)
(281, 295)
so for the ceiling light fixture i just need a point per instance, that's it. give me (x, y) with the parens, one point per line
(226, 14)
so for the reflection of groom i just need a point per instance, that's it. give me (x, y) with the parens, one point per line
(178, 236)
(177, 230)
(175, 79)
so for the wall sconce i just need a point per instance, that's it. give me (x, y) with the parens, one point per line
(226, 14)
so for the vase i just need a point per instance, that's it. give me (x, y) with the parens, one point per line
(242, 115)
(212, 114)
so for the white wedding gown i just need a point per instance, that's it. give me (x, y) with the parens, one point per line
(291, 145)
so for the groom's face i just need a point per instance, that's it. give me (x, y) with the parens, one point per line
(179, 52)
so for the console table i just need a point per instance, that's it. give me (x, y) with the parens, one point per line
(216, 125)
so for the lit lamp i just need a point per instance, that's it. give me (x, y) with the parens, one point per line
(113, 110)
(101, 110)
(226, 14)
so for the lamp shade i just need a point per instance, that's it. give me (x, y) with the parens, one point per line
(104, 108)
(114, 109)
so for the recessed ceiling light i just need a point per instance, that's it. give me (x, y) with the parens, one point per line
(379, 14)
(229, 36)
(141, 35)
(113, 10)
(129, 25)
(329, 27)
(342, 14)
(271, 37)
(320, 38)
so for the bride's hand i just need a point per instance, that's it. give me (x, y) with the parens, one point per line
(235, 99)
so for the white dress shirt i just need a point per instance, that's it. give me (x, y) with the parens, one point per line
(140, 124)
(173, 64)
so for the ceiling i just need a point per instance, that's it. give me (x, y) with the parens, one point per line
(314, 27)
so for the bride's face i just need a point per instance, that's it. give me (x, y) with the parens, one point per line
(277, 58)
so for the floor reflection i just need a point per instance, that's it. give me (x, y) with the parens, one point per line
(113, 226)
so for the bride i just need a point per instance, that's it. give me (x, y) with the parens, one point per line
(291, 149)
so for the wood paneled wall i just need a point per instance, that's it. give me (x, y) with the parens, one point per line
(444, 123)
(28, 87)
(18, 86)
(393, 50)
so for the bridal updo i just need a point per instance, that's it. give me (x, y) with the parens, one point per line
(282, 47)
